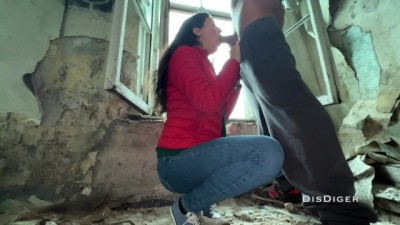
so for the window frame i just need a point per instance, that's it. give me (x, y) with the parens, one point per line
(149, 51)
(328, 66)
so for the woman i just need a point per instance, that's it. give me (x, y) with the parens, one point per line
(194, 157)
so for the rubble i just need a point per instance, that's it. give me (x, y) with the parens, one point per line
(373, 150)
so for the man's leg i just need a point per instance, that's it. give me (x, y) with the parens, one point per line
(280, 189)
(314, 161)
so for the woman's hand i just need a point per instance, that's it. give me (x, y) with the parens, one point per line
(235, 51)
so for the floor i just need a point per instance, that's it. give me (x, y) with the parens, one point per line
(238, 211)
(242, 210)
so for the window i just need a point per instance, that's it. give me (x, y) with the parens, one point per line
(305, 31)
(134, 51)
(140, 28)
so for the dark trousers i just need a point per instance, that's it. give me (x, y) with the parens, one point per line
(285, 109)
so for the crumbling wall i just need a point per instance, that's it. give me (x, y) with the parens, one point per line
(85, 136)
(26, 30)
(365, 34)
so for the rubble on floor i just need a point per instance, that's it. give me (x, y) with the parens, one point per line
(370, 137)
(236, 211)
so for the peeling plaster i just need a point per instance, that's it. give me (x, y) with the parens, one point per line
(380, 18)
(364, 60)
(347, 84)
(26, 30)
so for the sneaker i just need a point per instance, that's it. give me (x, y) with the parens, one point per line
(211, 212)
(181, 219)
(293, 196)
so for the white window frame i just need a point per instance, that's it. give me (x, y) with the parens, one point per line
(151, 50)
(327, 62)
(149, 12)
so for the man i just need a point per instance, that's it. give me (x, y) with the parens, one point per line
(286, 109)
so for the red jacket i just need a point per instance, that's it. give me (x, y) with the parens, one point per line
(197, 98)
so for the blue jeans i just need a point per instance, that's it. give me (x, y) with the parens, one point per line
(220, 169)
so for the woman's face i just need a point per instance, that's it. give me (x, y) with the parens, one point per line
(209, 35)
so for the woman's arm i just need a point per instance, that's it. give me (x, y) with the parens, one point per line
(198, 83)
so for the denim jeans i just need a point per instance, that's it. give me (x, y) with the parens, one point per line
(221, 169)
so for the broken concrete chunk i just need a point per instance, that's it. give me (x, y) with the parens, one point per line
(364, 174)
(387, 99)
(371, 127)
(361, 110)
(388, 205)
(396, 139)
(89, 162)
(350, 138)
(391, 151)
(389, 172)
(359, 168)
(370, 146)
(29, 222)
(387, 197)
(34, 200)
(387, 192)
(378, 158)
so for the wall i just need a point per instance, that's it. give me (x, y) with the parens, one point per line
(26, 30)
(367, 33)
(56, 158)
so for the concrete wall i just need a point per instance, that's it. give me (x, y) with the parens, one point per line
(26, 30)
(367, 33)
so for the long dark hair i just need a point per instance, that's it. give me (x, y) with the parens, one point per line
(185, 36)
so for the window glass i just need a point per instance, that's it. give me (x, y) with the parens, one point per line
(134, 55)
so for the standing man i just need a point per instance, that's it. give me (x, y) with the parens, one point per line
(286, 109)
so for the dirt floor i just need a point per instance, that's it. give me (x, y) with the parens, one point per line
(242, 210)
(238, 211)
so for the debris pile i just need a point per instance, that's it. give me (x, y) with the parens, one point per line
(370, 137)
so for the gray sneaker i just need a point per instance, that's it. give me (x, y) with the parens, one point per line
(181, 219)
